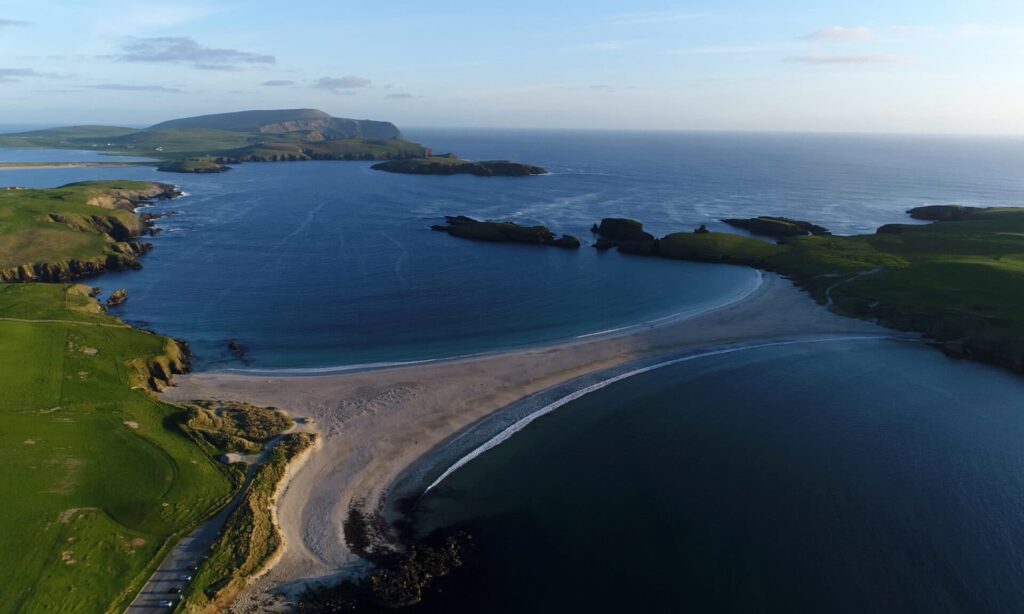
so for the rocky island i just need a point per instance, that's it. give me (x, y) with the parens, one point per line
(203, 165)
(503, 232)
(777, 227)
(628, 235)
(451, 165)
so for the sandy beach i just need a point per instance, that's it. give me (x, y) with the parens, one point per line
(376, 424)
(33, 166)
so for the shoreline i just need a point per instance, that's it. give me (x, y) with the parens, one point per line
(621, 331)
(566, 393)
(380, 426)
(37, 166)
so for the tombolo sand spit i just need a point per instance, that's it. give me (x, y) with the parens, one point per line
(375, 424)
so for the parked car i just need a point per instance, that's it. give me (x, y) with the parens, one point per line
(185, 577)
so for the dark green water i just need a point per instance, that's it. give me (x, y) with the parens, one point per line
(868, 476)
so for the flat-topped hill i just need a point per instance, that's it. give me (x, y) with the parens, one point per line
(226, 138)
(285, 121)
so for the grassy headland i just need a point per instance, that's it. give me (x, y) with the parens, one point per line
(73, 231)
(959, 281)
(99, 478)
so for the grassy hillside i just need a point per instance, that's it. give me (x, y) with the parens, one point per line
(69, 232)
(97, 475)
(960, 281)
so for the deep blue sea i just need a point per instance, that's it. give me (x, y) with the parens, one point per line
(864, 476)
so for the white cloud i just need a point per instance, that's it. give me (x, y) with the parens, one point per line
(839, 34)
(339, 85)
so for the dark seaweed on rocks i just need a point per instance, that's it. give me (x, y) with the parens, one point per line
(404, 572)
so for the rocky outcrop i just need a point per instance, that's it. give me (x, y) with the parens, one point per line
(503, 232)
(131, 198)
(205, 165)
(626, 234)
(777, 227)
(941, 213)
(118, 297)
(156, 373)
(451, 166)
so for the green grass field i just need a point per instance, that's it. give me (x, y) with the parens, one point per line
(77, 225)
(97, 476)
(960, 281)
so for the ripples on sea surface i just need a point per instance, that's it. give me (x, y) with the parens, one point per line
(328, 263)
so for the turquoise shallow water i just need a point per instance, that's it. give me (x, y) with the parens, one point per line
(315, 265)
(867, 476)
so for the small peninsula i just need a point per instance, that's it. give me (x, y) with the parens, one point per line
(451, 165)
(957, 280)
(504, 232)
(74, 231)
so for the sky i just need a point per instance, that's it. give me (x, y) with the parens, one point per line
(903, 66)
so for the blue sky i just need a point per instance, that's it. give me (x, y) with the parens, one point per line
(943, 66)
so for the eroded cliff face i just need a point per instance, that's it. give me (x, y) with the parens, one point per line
(122, 198)
(124, 256)
(157, 373)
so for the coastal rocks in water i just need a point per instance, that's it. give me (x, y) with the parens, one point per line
(503, 232)
(118, 297)
(449, 165)
(941, 213)
(778, 227)
(239, 351)
(403, 571)
(628, 235)
(203, 165)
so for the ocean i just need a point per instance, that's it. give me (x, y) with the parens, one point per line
(325, 265)
(845, 476)
(855, 476)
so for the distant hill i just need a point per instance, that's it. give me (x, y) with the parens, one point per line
(209, 141)
(284, 121)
